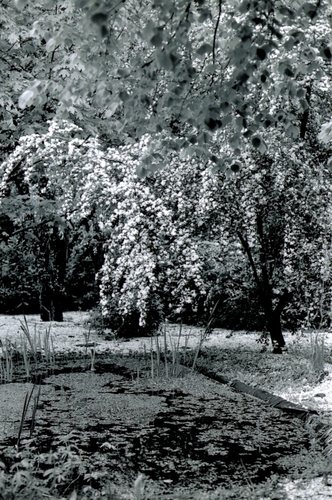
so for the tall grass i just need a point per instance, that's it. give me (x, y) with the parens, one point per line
(317, 353)
(29, 340)
(37, 346)
(86, 335)
(139, 487)
(207, 330)
(93, 358)
(26, 405)
(176, 353)
(169, 357)
(6, 362)
(48, 346)
(161, 350)
(32, 348)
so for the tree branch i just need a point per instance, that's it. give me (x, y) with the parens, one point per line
(305, 116)
(262, 251)
(247, 250)
(5, 237)
(215, 33)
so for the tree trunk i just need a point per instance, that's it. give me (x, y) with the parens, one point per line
(53, 276)
(273, 317)
(275, 331)
(305, 116)
(272, 314)
(51, 303)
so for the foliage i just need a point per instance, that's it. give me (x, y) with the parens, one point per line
(18, 287)
(272, 220)
(150, 255)
(39, 477)
(262, 369)
(185, 69)
(159, 244)
(31, 65)
(318, 354)
(143, 96)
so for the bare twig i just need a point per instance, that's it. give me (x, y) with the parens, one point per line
(215, 32)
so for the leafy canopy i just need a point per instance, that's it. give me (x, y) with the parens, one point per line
(186, 71)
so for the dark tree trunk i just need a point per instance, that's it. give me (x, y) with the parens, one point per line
(273, 321)
(53, 276)
(277, 338)
(272, 313)
(275, 330)
(265, 285)
(51, 303)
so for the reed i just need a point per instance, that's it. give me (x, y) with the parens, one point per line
(139, 487)
(167, 350)
(26, 359)
(36, 346)
(208, 329)
(6, 362)
(34, 409)
(25, 409)
(86, 335)
(175, 353)
(23, 416)
(31, 340)
(48, 347)
(93, 358)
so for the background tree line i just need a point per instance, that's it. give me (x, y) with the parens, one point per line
(159, 158)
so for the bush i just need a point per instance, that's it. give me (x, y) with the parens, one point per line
(127, 326)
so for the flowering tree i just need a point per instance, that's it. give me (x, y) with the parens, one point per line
(152, 260)
(278, 208)
(150, 251)
(160, 92)
(168, 243)
(279, 169)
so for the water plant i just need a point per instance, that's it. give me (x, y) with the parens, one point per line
(26, 405)
(176, 368)
(6, 362)
(48, 346)
(26, 359)
(34, 409)
(32, 340)
(37, 346)
(207, 330)
(93, 358)
(139, 487)
(86, 335)
(159, 355)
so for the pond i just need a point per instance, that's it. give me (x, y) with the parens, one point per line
(189, 432)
